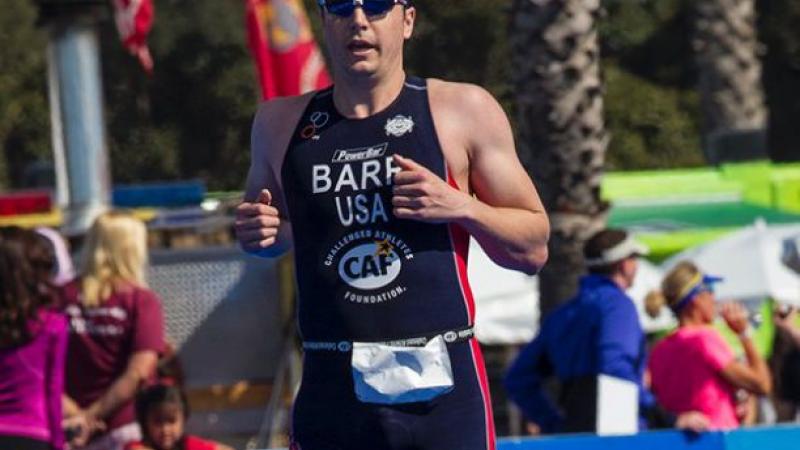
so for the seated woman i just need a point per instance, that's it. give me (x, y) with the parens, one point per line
(694, 368)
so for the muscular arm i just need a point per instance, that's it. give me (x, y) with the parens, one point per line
(262, 220)
(261, 212)
(505, 215)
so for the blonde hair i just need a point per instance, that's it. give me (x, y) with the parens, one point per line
(115, 253)
(676, 284)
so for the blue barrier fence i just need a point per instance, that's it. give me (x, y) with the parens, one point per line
(166, 194)
(766, 438)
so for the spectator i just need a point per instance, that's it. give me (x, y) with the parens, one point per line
(785, 364)
(598, 332)
(694, 368)
(33, 342)
(162, 411)
(62, 271)
(116, 333)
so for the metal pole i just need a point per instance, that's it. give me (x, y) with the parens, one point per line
(76, 67)
(57, 134)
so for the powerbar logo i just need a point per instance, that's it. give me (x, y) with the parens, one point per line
(360, 154)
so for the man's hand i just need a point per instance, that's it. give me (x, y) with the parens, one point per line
(735, 316)
(533, 429)
(692, 421)
(257, 223)
(419, 194)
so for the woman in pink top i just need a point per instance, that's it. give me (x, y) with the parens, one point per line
(694, 368)
(32, 347)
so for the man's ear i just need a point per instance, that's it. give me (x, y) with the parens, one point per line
(409, 18)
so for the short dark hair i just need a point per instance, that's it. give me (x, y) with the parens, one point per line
(599, 243)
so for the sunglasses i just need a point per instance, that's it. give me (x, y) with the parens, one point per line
(345, 8)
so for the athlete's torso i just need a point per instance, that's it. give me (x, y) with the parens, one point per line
(363, 274)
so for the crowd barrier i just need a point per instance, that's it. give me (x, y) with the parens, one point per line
(757, 438)
(782, 437)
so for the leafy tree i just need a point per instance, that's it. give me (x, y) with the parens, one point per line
(24, 116)
(779, 22)
(562, 132)
(652, 126)
(191, 119)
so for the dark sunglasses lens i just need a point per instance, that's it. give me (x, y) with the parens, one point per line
(375, 7)
(340, 7)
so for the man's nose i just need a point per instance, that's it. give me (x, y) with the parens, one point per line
(359, 19)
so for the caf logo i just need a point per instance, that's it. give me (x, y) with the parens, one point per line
(371, 265)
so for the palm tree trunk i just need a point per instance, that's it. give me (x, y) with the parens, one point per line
(561, 131)
(727, 54)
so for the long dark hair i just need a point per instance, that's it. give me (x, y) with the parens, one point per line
(22, 295)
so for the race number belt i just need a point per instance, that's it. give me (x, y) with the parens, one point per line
(449, 336)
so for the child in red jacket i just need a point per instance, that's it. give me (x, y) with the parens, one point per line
(161, 411)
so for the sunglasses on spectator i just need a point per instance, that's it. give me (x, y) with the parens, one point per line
(345, 8)
(704, 283)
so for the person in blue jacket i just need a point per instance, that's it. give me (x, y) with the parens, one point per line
(597, 332)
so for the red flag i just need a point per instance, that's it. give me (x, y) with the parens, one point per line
(286, 56)
(134, 19)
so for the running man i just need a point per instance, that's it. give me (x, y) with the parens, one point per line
(377, 183)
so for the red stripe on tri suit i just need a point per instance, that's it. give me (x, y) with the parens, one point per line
(480, 369)
(460, 241)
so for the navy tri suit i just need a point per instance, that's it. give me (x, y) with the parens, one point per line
(364, 275)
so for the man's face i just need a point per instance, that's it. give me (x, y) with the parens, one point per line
(628, 268)
(365, 46)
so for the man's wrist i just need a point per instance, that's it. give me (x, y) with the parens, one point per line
(468, 213)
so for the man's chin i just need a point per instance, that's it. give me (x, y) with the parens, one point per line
(362, 70)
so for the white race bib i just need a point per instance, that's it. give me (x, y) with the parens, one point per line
(388, 374)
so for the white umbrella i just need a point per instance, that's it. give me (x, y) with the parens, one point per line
(749, 260)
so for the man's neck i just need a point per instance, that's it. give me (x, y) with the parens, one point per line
(620, 280)
(361, 98)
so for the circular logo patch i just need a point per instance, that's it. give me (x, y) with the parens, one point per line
(371, 265)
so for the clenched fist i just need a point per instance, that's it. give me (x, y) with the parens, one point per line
(257, 223)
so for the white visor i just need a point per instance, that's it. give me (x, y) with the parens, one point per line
(628, 247)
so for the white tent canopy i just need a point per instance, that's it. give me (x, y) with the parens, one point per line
(750, 261)
(507, 301)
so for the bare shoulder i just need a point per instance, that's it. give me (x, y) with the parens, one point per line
(461, 98)
(274, 123)
(276, 114)
(469, 114)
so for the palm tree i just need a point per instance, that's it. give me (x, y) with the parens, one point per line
(561, 131)
(727, 54)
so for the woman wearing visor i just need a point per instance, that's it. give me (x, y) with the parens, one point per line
(694, 368)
